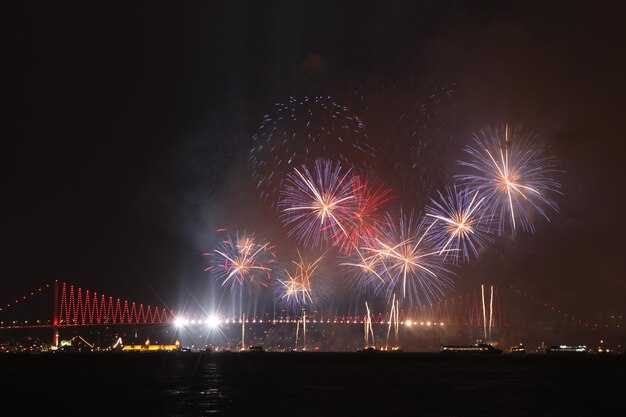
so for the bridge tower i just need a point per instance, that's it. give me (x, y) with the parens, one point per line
(55, 314)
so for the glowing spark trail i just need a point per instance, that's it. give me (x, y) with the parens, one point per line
(393, 321)
(396, 323)
(487, 335)
(297, 334)
(368, 328)
(482, 292)
(243, 332)
(513, 174)
(304, 329)
(490, 310)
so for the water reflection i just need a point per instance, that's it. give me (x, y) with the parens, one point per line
(193, 387)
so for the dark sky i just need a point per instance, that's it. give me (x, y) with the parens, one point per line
(128, 128)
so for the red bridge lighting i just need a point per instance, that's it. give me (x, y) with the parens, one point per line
(80, 309)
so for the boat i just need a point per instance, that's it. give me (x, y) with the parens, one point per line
(256, 349)
(369, 349)
(517, 349)
(473, 348)
(576, 349)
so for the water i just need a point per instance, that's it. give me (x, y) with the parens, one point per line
(311, 384)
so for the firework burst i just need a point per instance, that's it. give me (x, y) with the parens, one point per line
(511, 170)
(402, 261)
(365, 219)
(316, 206)
(298, 289)
(242, 261)
(364, 269)
(300, 131)
(457, 221)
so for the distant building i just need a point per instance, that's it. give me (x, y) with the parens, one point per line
(147, 347)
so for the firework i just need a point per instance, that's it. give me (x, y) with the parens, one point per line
(458, 222)
(365, 219)
(298, 288)
(364, 269)
(367, 328)
(294, 292)
(242, 261)
(316, 206)
(402, 261)
(393, 322)
(300, 131)
(511, 171)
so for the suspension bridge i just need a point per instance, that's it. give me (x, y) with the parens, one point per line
(75, 306)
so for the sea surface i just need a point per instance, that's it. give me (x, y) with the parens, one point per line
(311, 384)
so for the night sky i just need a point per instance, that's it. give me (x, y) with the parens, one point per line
(129, 128)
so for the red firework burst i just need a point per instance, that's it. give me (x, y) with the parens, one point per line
(366, 217)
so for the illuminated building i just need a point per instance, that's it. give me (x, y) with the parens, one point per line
(147, 347)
